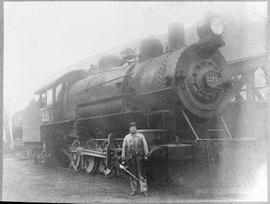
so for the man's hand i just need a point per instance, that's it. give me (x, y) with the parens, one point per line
(122, 160)
(146, 157)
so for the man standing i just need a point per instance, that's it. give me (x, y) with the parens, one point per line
(134, 152)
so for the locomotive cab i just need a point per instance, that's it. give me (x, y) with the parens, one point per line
(53, 95)
(51, 103)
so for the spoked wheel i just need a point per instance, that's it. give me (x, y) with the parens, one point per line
(90, 164)
(75, 161)
(90, 144)
(105, 170)
(75, 158)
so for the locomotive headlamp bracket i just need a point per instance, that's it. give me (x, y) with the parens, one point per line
(209, 31)
(206, 46)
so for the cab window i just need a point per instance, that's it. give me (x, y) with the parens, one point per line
(49, 97)
(43, 100)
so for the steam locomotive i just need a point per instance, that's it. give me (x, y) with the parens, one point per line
(175, 95)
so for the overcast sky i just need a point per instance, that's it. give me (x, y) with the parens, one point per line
(42, 38)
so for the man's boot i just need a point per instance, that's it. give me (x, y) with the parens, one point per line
(133, 193)
(146, 193)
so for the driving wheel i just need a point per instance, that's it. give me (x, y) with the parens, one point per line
(90, 164)
(75, 157)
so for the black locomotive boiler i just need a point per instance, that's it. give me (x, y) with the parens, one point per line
(175, 95)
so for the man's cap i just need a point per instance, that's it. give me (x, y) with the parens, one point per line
(132, 124)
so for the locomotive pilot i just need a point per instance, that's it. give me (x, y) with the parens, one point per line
(134, 152)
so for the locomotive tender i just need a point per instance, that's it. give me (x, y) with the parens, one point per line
(174, 94)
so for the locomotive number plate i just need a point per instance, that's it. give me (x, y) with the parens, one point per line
(213, 79)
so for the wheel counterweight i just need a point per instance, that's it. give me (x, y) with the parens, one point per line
(90, 164)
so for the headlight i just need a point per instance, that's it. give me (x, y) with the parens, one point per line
(210, 25)
(217, 25)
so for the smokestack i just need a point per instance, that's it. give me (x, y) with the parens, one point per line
(176, 36)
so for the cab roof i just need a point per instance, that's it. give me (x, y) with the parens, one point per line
(68, 76)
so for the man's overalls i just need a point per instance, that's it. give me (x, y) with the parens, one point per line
(134, 150)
